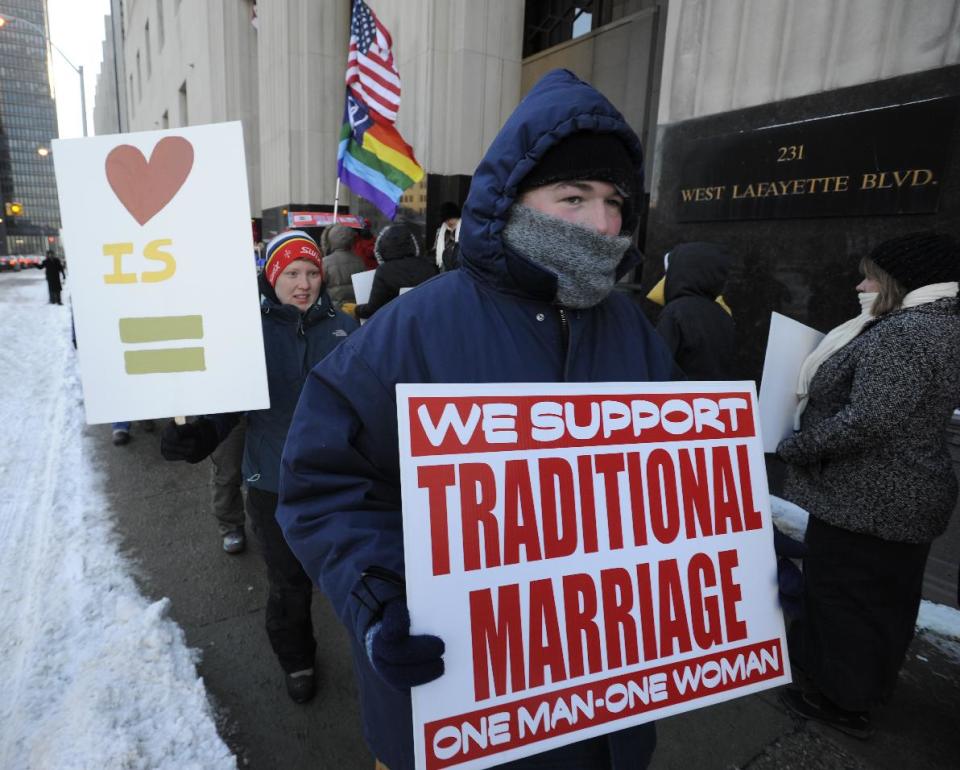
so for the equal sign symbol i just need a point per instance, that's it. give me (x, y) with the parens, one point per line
(163, 329)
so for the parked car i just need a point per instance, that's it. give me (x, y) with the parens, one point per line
(19, 261)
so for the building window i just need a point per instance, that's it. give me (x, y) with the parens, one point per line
(146, 37)
(131, 94)
(165, 119)
(547, 23)
(139, 79)
(184, 116)
(160, 32)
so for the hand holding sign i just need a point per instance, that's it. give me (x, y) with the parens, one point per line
(191, 441)
(403, 661)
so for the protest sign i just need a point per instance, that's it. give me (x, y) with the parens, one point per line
(788, 345)
(362, 284)
(594, 556)
(166, 305)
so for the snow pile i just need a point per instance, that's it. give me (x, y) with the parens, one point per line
(942, 625)
(92, 674)
(790, 518)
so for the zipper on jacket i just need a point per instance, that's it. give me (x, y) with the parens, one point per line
(300, 331)
(564, 333)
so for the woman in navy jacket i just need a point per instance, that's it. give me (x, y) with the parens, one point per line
(300, 327)
(501, 318)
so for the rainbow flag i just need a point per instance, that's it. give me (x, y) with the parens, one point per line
(372, 159)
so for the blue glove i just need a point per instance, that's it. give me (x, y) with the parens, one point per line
(401, 660)
(790, 585)
(789, 576)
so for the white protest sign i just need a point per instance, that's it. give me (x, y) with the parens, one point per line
(157, 234)
(362, 284)
(594, 556)
(788, 345)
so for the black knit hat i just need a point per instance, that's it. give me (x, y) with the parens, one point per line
(395, 242)
(582, 156)
(919, 259)
(449, 210)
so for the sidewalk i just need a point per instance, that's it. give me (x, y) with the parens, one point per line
(162, 514)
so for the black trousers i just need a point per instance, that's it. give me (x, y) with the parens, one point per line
(54, 289)
(289, 625)
(861, 598)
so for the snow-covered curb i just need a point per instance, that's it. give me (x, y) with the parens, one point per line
(93, 674)
(940, 625)
(939, 619)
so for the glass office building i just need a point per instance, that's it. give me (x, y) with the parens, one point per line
(28, 121)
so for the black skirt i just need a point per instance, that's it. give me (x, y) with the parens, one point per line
(861, 598)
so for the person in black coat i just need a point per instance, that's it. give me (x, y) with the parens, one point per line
(697, 328)
(55, 270)
(401, 267)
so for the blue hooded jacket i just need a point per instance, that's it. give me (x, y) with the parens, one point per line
(491, 321)
(293, 342)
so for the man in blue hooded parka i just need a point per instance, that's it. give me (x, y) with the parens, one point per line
(545, 235)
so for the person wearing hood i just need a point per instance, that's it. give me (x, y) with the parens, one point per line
(401, 267)
(364, 247)
(300, 327)
(545, 234)
(340, 263)
(695, 322)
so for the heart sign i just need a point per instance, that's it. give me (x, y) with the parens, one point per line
(144, 186)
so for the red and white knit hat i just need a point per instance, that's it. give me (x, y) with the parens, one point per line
(289, 247)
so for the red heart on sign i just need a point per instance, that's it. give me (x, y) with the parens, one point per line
(145, 187)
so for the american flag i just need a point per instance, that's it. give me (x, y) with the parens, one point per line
(371, 72)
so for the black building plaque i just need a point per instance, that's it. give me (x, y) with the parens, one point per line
(889, 160)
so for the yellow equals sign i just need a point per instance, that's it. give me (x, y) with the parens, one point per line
(163, 329)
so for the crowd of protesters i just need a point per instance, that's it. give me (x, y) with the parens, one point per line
(518, 286)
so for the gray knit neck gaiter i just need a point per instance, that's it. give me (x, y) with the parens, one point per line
(584, 261)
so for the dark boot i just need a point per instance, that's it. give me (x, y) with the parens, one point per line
(301, 685)
(813, 705)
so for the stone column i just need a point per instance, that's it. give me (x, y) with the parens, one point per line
(302, 62)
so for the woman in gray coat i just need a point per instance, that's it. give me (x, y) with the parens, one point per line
(340, 263)
(870, 464)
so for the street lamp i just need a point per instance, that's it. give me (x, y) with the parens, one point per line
(6, 18)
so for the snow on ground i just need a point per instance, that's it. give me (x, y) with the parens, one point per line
(92, 675)
(942, 627)
(939, 619)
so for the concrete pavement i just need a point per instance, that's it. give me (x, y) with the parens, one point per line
(164, 523)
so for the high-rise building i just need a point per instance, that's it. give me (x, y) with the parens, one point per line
(110, 104)
(28, 121)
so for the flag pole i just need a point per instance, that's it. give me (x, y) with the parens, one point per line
(336, 200)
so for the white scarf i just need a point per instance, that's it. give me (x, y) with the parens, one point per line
(845, 332)
(441, 243)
